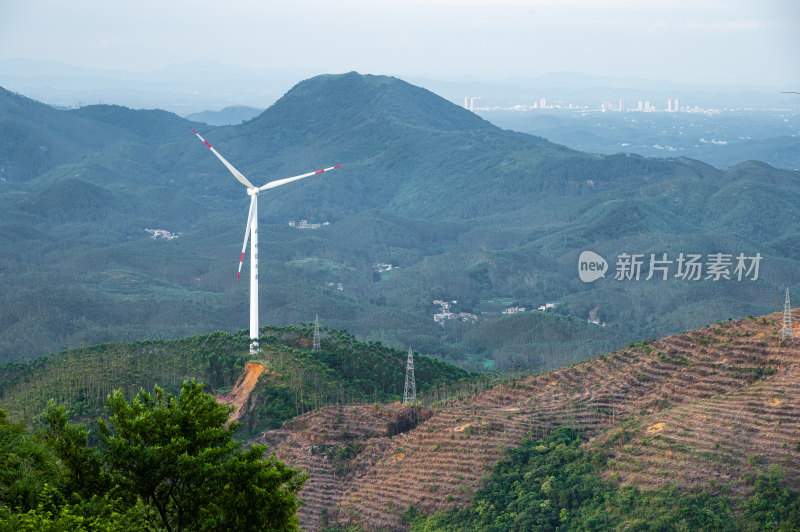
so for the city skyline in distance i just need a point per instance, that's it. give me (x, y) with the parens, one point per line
(210, 86)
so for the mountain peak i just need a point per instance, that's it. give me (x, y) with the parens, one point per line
(349, 98)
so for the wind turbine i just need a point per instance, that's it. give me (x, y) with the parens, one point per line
(251, 231)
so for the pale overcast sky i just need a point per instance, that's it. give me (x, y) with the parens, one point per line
(705, 41)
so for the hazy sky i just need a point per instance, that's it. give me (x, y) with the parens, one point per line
(725, 41)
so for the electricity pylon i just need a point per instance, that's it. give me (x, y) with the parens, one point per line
(316, 345)
(788, 330)
(410, 393)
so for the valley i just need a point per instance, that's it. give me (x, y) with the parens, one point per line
(461, 209)
(439, 229)
(496, 267)
(721, 137)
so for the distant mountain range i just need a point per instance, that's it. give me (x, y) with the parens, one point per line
(462, 211)
(203, 84)
(720, 139)
(234, 114)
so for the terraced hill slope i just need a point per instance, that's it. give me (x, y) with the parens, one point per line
(703, 408)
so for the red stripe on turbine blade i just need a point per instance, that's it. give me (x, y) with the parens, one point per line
(338, 166)
(201, 138)
(319, 171)
(240, 266)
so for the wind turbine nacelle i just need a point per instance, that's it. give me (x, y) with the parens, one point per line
(252, 191)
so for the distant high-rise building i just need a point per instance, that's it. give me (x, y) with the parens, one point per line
(473, 102)
(675, 106)
(646, 106)
(669, 105)
(640, 107)
(621, 105)
(543, 103)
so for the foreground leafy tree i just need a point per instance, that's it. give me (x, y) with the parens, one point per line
(175, 461)
(54, 514)
(27, 465)
(36, 495)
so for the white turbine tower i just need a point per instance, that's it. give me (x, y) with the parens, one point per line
(251, 231)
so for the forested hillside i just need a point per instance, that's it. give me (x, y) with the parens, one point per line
(297, 378)
(115, 226)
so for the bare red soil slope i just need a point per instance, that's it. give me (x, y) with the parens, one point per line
(241, 391)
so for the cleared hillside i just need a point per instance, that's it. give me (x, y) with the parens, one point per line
(708, 408)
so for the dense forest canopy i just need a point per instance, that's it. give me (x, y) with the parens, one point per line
(297, 378)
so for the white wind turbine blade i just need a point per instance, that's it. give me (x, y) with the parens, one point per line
(246, 234)
(236, 173)
(279, 182)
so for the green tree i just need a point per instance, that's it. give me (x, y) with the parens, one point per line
(52, 514)
(176, 458)
(26, 466)
(84, 474)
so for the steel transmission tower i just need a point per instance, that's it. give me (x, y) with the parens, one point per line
(787, 331)
(315, 346)
(410, 393)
